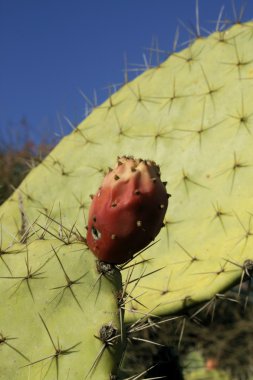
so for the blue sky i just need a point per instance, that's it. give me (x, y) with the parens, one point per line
(51, 50)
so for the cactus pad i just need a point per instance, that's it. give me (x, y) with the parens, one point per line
(192, 115)
(54, 313)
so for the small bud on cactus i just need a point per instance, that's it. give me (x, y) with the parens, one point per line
(128, 210)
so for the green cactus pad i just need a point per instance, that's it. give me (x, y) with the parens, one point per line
(53, 305)
(193, 116)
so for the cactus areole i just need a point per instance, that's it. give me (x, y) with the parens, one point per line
(128, 210)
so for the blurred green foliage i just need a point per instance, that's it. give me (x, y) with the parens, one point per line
(15, 163)
(211, 343)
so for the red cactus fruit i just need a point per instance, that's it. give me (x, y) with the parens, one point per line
(128, 210)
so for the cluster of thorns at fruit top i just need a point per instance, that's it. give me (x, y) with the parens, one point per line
(128, 210)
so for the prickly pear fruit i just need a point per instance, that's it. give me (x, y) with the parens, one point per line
(128, 210)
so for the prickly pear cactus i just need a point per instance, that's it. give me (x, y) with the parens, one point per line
(59, 315)
(192, 115)
(128, 210)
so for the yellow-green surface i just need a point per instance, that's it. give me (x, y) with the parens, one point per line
(48, 324)
(192, 115)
